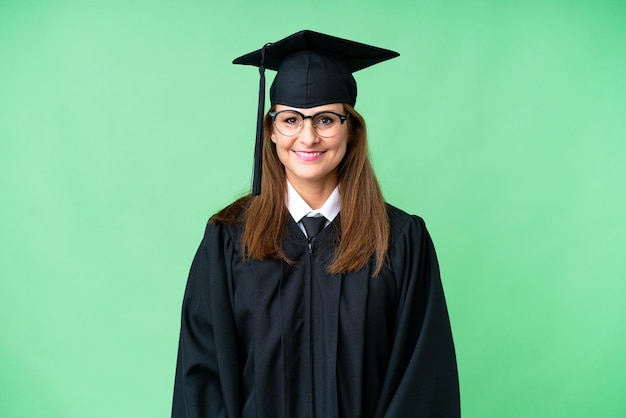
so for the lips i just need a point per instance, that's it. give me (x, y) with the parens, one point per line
(309, 155)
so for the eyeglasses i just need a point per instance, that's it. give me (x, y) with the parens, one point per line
(290, 122)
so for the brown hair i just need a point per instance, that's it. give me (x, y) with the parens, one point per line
(364, 226)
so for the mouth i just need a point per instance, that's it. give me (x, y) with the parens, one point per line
(309, 155)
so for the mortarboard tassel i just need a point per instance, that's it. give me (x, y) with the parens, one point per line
(258, 146)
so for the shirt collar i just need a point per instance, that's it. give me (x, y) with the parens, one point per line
(298, 208)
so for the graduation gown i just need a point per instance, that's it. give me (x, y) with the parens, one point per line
(267, 339)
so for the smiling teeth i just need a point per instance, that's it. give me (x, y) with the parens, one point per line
(308, 154)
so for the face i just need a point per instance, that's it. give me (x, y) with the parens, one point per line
(311, 160)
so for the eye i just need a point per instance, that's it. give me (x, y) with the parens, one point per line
(325, 120)
(290, 119)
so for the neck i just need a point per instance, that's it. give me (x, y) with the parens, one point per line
(314, 194)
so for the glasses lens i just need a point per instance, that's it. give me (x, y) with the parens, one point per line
(326, 124)
(288, 123)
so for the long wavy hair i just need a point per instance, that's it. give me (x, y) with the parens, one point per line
(363, 227)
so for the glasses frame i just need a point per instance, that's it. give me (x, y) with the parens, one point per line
(342, 119)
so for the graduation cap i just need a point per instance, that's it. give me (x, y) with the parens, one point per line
(314, 69)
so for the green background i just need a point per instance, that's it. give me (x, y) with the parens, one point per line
(123, 126)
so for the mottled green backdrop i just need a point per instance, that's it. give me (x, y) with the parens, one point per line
(123, 126)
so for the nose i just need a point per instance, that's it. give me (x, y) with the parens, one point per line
(307, 135)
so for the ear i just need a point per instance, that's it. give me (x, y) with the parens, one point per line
(273, 138)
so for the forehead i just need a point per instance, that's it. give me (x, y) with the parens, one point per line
(333, 107)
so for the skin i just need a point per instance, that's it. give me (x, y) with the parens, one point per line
(310, 160)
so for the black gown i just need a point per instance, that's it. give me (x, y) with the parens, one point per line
(268, 340)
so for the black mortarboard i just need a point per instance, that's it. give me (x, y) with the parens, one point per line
(313, 70)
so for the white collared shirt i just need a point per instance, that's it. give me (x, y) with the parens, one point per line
(298, 208)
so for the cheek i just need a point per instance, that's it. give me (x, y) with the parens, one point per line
(279, 145)
(343, 148)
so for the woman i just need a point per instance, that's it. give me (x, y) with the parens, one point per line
(314, 298)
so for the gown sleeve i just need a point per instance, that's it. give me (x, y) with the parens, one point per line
(422, 378)
(207, 382)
